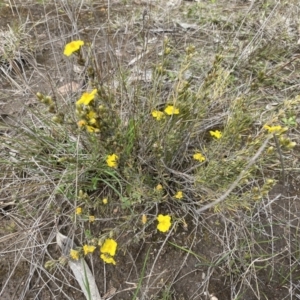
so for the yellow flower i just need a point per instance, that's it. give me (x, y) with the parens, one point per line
(158, 115)
(198, 156)
(91, 115)
(108, 259)
(164, 223)
(171, 110)
(109, 247)
(159, 187)
(72, 47)
(144, 219)
(78, 211)
(81, 123)
(88, 249)
(91, 219)
(112, 160)
(108, 250)
(291, 145)
(217, 134)
(93, 121)
(92, 129)
(179, 195)
(275, 129)
(105, 201)
(86, 97)
(74, 254)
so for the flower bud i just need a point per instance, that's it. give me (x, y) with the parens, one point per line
(40, 96)
(291, 145)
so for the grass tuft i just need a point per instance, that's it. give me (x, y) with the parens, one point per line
(164, 145)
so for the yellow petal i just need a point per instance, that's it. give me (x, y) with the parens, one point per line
(109, 247)
(164, 223)
(72, 47)
(108, 259)
(171, 110)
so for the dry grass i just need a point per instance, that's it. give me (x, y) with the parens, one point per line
(227, 66)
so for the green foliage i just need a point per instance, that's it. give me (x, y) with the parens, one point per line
(290, 122)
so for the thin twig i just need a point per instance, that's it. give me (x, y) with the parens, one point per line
(280, 157)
